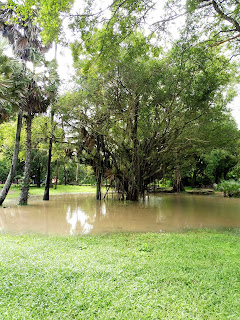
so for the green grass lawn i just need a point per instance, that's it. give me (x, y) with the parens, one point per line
(193, 275)
(34, 191)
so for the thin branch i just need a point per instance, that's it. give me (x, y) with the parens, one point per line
(170, 18)
(176, 16)
(229, 39)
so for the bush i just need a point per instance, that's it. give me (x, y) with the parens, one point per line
(231, 188)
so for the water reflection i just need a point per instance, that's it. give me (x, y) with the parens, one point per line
(76, 217)
(82, 214)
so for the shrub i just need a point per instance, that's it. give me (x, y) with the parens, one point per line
(231, 188)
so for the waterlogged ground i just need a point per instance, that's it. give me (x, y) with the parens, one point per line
(78, 214)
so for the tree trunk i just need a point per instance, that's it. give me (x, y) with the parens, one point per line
(99, 182)
(99, 170)
(132, 192)
(38, 176)
(77, 173)
(194, 179)
(65, 174)
(48, 177)
(27, 170)
(57, 175)
(177, 185)
(10, 177)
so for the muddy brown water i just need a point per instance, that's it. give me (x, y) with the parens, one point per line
(81, 214)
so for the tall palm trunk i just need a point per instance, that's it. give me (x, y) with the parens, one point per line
(26, 179)
(48, 177)
(47, 184)
(10, 177)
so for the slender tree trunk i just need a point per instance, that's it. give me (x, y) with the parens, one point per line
(48, 177)
(10, 177)
(77, 173)
(99, 183)
(98, 170)
(38, 176)
(64, 173)
(27, 170)
(57, 174)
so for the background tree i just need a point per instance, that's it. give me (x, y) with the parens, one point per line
(134, 108)
(214, 131)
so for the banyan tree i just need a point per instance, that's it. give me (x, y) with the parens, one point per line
(135, 106)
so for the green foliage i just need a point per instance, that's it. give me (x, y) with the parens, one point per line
(145, 104)
(235, 172)
(152, 108)
(219, 163)
(212, 150)
(121, 276)
(86, 175)
(218, 21)
(121, 19)
(4, 168)
(231, 188)
(13, 81)
(7, 136)
(44, 13)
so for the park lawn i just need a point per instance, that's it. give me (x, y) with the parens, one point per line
(192, 275)
(61, 189)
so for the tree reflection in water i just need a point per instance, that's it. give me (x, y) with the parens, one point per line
(82, 214)
(78, 221)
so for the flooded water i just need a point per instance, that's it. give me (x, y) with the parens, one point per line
(82, 214)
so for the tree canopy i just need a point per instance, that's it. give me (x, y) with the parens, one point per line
(134, 109)
(141, 109)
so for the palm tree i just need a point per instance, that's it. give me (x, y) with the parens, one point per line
(11, 84)
(37, 102)
(52, 88)
(12, 97)
(23, 36)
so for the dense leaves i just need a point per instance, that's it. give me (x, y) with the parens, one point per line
(136, 108)
(44, 14)
(141, 110)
